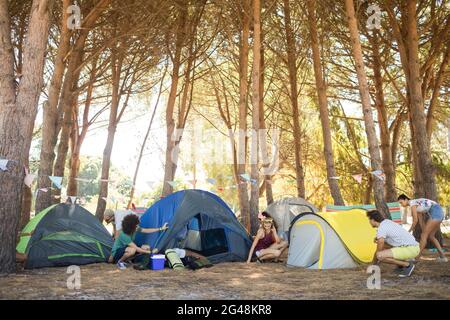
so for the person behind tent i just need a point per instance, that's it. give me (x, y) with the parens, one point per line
(124, 248)
(116, 218)
(422, 206)
(395, 245)
(266, 244)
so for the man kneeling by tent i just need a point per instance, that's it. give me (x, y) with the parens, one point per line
(401, 245)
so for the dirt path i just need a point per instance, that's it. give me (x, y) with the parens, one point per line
(431, 280)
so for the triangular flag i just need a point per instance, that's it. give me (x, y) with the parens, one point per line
(57, 181)
(378, 174)
(3, 164)
(73, 199)
(105, 198)
(211, 180)
(358, 177)
(246, 176)
(173, 184)
(29, 178)
(43, 189)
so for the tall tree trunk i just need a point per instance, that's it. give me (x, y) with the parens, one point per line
(170, 121)
(417, 108)
(116, 67)
(256, 83)
(292, 68)
(244, 204)
(17, 116)
(263, 136)
(323, 104)
(27, 200)
(49, 134)
(78, 137)
(436, 91)
(55, 114)
(63, 146)
(374, 151)
(386, 152)
(144, 142)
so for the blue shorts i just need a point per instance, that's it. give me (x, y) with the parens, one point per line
(436, 212)
(119, 254)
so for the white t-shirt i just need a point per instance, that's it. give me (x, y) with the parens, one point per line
(119, 215)
(395, 235)
(423, 205)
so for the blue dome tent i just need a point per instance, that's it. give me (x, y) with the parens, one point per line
(198, 221)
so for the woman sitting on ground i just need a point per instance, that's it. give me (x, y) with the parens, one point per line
(267, 244)
(124, 248)
(422, 206)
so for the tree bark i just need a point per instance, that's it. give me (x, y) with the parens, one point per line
(78, 137)
(323, 104)
(116, 67)
(49, 135)
(244, 204)
(436, 91)
(386, 152)
(417, 108)
(374, 151)
(147, 134)
(292, 68)
(170, 121)
(17, 116)
(60, 99)
(256, 83)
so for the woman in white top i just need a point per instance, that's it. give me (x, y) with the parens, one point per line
(436, 216)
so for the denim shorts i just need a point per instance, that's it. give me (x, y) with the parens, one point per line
(436, 212)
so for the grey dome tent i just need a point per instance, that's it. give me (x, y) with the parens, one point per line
(63, 235)
(285, 210)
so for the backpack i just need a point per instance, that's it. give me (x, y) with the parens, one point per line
(197, 263)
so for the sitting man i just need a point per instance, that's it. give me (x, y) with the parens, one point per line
(402, 245)
(124, 248)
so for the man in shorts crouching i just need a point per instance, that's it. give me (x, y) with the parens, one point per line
(395, 245)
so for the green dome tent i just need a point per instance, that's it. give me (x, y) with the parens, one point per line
(64, 235)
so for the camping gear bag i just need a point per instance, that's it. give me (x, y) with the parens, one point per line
(174, 260)
(197, 263)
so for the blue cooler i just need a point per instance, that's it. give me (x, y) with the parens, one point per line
(157, 261)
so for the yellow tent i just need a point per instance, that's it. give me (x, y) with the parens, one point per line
(330, 240)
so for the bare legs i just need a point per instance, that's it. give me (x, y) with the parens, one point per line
(274, 251)
(387, 257)
(429, 232)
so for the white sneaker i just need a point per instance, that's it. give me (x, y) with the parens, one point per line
(440, 259)
(121, 265)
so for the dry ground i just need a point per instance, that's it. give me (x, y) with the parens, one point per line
(431, 280)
